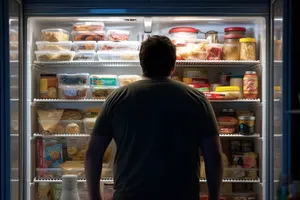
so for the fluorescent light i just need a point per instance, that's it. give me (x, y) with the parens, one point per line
(196, 19)
(278, 19)
(101, 19)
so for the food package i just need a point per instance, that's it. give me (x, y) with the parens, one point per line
(100, 92)
(226, 121)
(73, 79)
(56, 189)
(55, 35)
(71, 114)
(127, 79)
(84, 45)
(118, 46)
(88, 35)
(118, 55)
(88, 26)
(53, 155)
(63, 126)
(85, 56)
(191, 49)
(73, 168)
(117, 35)
(108, 192)
(89, 124)
(49, 118)
(226, 129)
(103, 80)
(50, 56)
(54, 46)
(73, 92)
(214, 51)
(76, 148)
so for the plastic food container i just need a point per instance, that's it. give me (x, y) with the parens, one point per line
(89, 124)
(48, 173)
(55, 35)
(235, 30)
(63, 126)
(85, 56)
(118, 55)
(231, 50)
(14, 55)
(84, 45)
(50, 56)
(73, 79)
(183, 33)
(73, 168)
(54, 46)
(14, 92)
(118, 46)
(101, 92)
(88, 26)
(214, 51)
(117, 35)
(14, 46)
(248, 49)
(73, 92)
(88, 35)
(104, 80)
(127, 79)
(13, 35)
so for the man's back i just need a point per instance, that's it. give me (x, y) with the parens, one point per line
(157, 126)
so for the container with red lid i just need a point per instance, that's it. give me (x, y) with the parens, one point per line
(183, 33)
(235, 30)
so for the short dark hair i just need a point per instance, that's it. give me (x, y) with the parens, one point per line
(157, 56)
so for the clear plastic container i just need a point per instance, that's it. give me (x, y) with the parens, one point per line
(63, 126)
(117, 35)
(88, 26)
(103, 80)
(73, 92)
(73, 79)
(54, 46)
(14, 55)
(48, 173)
(118, 46)
(85, 45)
(101, 92)
(50, 56)
(84, 56)
(55, 35)
(127, 79)
(183, 33)
(248, 49)
(118, 55)
(13, 46)
(88, 35)
(13, 35)
(214, 51)
(89, 124)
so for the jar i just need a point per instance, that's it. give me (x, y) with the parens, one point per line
(228, 112)
(203, 87)
(250, 85)
(43, 192)
(195, 75)
(212, 36)
(48, 86)
(235, 30)
(183, 33)
(237, 81)
(224, 78)
(246, 125)
(69, 188)
(248, 49)
(246, 146)
(231, 48)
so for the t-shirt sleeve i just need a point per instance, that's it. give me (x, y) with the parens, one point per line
(103, 124)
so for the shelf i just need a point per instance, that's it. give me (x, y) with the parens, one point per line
(237, 101)
(60, 135)
(295, 112)
(179, 63)
(277, 135)
(14, 135)
(235, 135)
(235, 180)
(14, 100)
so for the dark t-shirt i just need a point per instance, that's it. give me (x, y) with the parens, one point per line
(157, 126)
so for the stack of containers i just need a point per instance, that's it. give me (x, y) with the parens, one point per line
(54, 46)
(85, 37)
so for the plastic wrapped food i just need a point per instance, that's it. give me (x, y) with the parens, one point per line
(118, 46)
(71, 114)
(88, 35)
(84, 45)
(14, 55)
(118, 55)
(214, 51)
(103, 80)
(127, 79)
(248, 49)
(54, 46)
(192, 49)
(50, 56)
(88, 26)
(226, 129)
(14, 46)
(46, 126)
(100, 92)
(117, 35)
(85, 56)
(55, 35)
(89, 124)
(73, 79)
(227, 121)
(73, 92)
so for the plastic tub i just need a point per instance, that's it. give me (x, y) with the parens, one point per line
(88, 26)
(84, 45)
(101, 92)
(103, 80)
(235, 30)
(50, 56)
(73, 92)
(14, 55)
(118, 55)
(62, 127)
(85, 56)
(117, 35)
(89, 124)
(214, 51)
(118, 46)
(54, 46)
(184, 33)
(73, 79)
(127, 79)
(88, 35)
(55, 35)
(14, 46)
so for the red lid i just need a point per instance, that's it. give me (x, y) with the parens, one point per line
(183, 29)
(233, 36)
(234, 29)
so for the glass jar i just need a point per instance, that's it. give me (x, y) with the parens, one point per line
(231, 48)
(212, 36)
(248, 49)
(246, 125)
(250, 85)
(235, 30)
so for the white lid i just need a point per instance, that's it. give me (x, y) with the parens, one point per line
(55, 30)
(88, 32)
(85, 42)
(118, 31)
(46, 42)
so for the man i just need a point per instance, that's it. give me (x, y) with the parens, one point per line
(158, 125)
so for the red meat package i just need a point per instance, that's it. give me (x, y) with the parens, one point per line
(214, 51)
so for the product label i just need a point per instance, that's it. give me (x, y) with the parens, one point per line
(43, 85)
(103, 81)
(250, 83)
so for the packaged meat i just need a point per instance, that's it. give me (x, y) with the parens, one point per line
(73, 92)
(117, 35)
(14, 55)
(248, 49)
(100, 92)
(118, 55)
(214, 51)
(88, 26)
(127, 79)
(88, 35)
(73, 79)
(14, 46)
(84, 45)
(226, 121)
(85, 56)
(54, 46)
(55, 35)
(235, 30)
(46, 126)
(118, 46)
(183, 33)
(52, 56)
(48, 86)
(226, 129)
(13, 35)
(103, 80)
(222, 95)
(89, 124)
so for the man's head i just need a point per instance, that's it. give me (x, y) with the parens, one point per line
(157, 57)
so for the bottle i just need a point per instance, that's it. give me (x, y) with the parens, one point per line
(69, 188)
